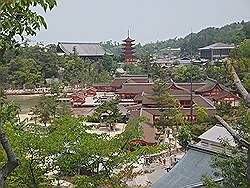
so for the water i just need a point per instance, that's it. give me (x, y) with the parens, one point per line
(26, 102)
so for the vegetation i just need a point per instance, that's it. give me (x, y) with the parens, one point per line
(233, 163)
(109, 113)
(66, 150)
(232, 33)
(17, 19)
(36, 156)
(73, 71)
(45, 63)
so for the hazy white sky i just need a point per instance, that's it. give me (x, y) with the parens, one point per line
(148, 20)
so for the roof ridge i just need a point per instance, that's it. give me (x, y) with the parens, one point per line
(208, 101)
(211, 79)
(79, 43)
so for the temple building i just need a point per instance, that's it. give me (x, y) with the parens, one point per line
(196, 163)
(117, 83)
(216, 51)
(136, 93)
(128, 50)
(88, 51)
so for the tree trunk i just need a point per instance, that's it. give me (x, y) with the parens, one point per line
(240, 87)
(246, 97)
(12, 162)
(248, 165)
(240, 140)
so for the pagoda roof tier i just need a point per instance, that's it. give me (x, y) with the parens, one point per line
(129, 57)
(128, 48)
(128, 40)
(129, 52)
(126, 44)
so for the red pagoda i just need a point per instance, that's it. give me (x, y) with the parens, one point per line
(128, 53)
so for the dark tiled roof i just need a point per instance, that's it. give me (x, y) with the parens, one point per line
(198, 99)
(134, 107)
(128, 40)
(188, 85)
(148, 100)
(209, 85)
(156, 111)
(149, 133)
(137, 80)
(138, 98)
(223, 94)
(153, 111)
(81, 49)
(101, 84)
(218, 46)
(135, 113)
(118, 82)
(202, 101)
(136, 88)
(189, 170)
(135, 76)
(175, 89)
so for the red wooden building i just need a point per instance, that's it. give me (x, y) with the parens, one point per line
(117, 83)
(128, 50)
(218, 93)
(77, 101)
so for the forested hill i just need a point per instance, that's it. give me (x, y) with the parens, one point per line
(232, 33)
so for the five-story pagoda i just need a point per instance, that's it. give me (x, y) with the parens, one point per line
(128, 50)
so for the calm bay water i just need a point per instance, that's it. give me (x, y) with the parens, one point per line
(26, 102)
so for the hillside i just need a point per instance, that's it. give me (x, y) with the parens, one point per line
(232, 33)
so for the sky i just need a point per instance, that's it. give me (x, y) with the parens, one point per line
(147, 20)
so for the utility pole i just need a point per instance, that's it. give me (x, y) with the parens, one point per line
(191, 79)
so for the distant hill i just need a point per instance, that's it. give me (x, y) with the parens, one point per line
(232, 33)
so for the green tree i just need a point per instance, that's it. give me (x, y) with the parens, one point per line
(56, 88)
(184, 136)
(108, 63)
(46, 109)
(168, 105)
(231, 165)
(109, 113)
(8, 114)
(19, 19)
(30, 145)
(24, 72)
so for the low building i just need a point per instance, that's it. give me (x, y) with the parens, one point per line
(189, 170)
(216, 51)
(152, 112)
(117, 83)
(90, 51)
(218, 93)
(213, 137)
